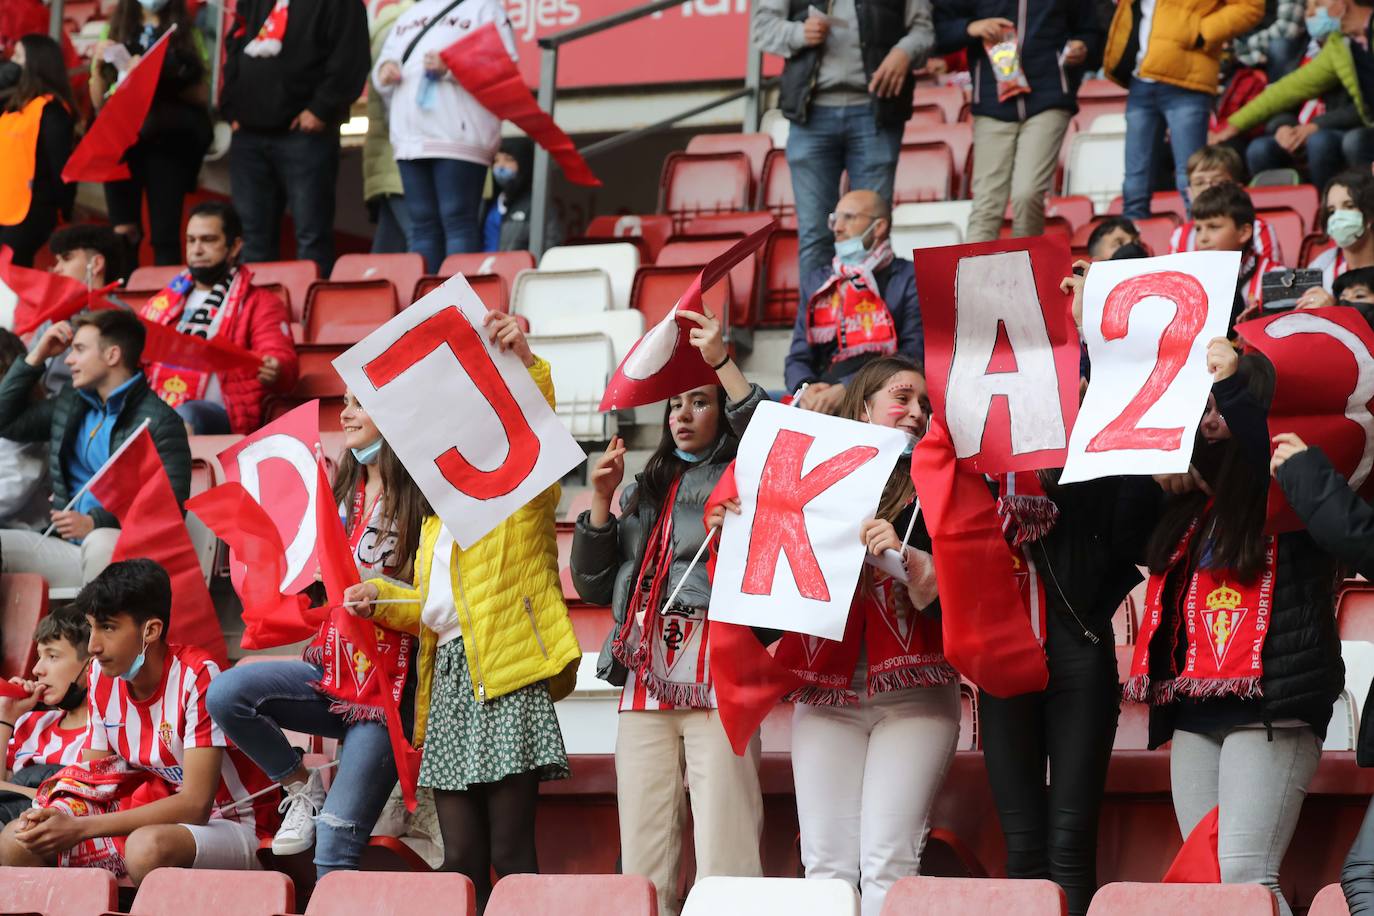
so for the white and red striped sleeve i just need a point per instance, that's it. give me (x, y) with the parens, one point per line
(1266, 242)
(198, 729)
(97, 700)
(1182, 235)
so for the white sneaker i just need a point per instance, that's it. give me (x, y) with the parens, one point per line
(303, 801)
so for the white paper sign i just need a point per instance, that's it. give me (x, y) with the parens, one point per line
(467, 421)
(1147, 323)
(791, 559)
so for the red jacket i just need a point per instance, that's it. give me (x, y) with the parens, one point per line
(263, 327)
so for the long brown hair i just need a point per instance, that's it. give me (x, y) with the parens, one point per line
(868, 381)
(126, 24)
(404, 507)
(664, 464)
(44, 73)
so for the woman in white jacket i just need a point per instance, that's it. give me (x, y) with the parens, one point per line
(444, 139)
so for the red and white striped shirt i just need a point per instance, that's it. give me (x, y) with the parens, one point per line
(40, 738)
(155, 733)
(1331, 263)
(1263, 240)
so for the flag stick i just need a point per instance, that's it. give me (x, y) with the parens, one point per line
(96, 476)
(691, 566)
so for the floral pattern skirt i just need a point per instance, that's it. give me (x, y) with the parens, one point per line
(468, 743)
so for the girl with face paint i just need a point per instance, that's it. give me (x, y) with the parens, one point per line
(659, 653)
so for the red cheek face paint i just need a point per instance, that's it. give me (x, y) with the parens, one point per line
(896, 411)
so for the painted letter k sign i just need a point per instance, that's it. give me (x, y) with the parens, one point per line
(780, 522)
(450, 326)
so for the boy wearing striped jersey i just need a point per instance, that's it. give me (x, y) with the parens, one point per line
(147, 706)
(40, 741)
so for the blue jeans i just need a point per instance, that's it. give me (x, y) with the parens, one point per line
(836, 139)
(1150, 108)
(444, 197)
(253, 703)
(393, 226)
(291, 168)
(206, 418)
(1325, 154)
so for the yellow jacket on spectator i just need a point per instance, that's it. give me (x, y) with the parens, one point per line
(515, 626)
(1185, 40)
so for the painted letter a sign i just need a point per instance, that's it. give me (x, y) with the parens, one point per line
(468, 422)
(790, 560)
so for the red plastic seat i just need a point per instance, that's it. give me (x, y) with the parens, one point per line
(317, 377)
(775, 193)
(1097, 89)
(24, 600)
(1355, 612)
(1313, 244)
(490, 288)
(295, 276)
(401, 269)
(1089, 109)
(573, 895)
(1076, 209)
(727, 223)
(925, 171)
(177, 891)
(505, 263)
(347, 311)
(928, 114)
(781, 289)
(1288, 229)
(657, 289)
(58, 891)
(959, 139)
(1155, 232)
(694, 183)
(380, 893)
(974, 897)
(696, 252)
(1133, 724)
(330, 408)
(1131, 899)
(755, 146)
(653, 229)
(949, 99)
(1161, 203)
(1330, 901)
(153, 278)
(1302, 199)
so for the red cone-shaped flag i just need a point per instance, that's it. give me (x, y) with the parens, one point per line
(1196, 862)
(483, 66)
(100, 154)
(46, 296)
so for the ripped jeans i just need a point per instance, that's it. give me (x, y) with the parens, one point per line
(253, 703)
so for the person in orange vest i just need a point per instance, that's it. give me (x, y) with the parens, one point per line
(36, 137)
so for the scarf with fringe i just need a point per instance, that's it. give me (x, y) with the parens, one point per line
(1027, 515)
(1222, 621)
(99, 786)
(849, 309)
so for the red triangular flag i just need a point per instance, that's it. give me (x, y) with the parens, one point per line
(133, 486)
(270, 618)
(339, 572)
(483, 66)
(45, 296)
(748, 680)
(1196, 862)
(100, 154)
(987, 632)
(170, 347)
(663, 363)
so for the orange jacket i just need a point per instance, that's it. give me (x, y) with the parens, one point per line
(1185, 42)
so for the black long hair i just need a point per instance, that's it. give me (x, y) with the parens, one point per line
(44, 73)
(126, 24)
(1240, 486)
(664, 464)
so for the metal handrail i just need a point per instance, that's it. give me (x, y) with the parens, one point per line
(548, 85)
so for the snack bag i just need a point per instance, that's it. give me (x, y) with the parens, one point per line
(1005, 56)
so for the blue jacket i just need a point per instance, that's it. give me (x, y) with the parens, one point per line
(807, 363)
(1043, 27)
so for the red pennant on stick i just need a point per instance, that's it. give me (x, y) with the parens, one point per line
(170, 347)
(483, 66)
(45, 296)
(134, 487)
(748, 680)
(663, 363)
(1196, 862)
(987, 631)
(100, 154)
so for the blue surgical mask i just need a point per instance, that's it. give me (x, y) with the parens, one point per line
(137, 666)
(909, 447)
(1321, 25)
(688, 456)
(854, 249)
(503, 176)
(1345, 227)
(368, 453)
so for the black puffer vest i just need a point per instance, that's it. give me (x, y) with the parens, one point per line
(881, 24)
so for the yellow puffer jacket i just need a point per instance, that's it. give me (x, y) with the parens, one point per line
(1174, 53)
(516, 629)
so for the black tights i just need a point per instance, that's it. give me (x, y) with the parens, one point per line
(490, 826)
(1052, 832)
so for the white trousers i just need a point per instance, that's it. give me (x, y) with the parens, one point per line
(62, 563)
(866, 777)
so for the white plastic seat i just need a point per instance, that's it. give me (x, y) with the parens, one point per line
(718, 896)
(934, 213)
(1096, 167)
(906, 239)
(624, 328)
(620, 260)
(776, 126)
(581, 365)
(1348, 711)
(1111, 122)
(544, 294)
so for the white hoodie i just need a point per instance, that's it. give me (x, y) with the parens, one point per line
(456, 126)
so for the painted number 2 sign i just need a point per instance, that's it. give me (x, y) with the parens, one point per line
(1147, 324)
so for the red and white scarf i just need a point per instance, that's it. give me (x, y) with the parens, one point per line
(1027, 515)
(849, 309)
(99, 787)
(1223, 620)
(347, 671)
(178, 384)
(665, 647)
(267, 43)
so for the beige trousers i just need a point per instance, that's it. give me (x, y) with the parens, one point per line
(62, 563)
(1013, 159)
(651, 748)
